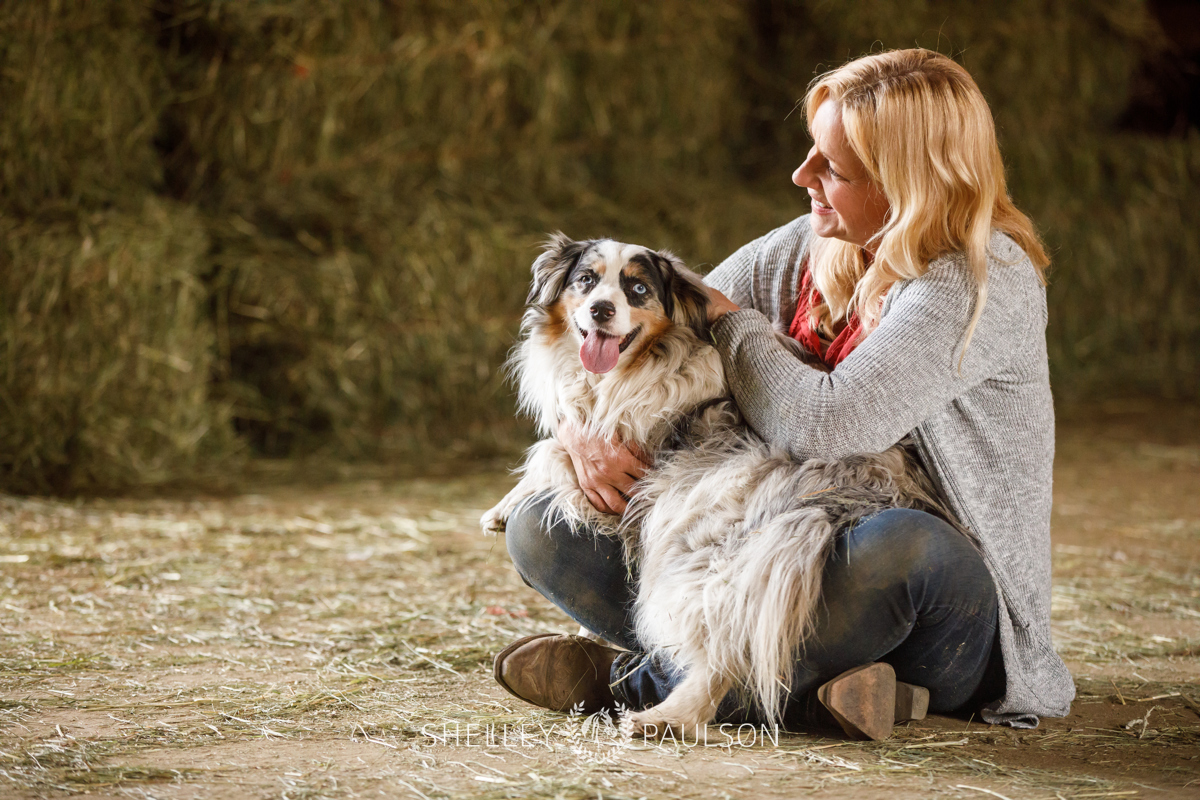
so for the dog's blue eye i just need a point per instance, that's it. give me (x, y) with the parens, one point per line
(639, 288)
(585, 281)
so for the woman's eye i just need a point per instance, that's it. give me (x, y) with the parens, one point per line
(639, 288)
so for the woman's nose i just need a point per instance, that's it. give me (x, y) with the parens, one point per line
(800, 177)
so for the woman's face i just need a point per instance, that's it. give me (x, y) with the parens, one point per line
(846, 204)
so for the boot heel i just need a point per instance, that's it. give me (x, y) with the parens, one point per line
(912, 702)
(863, 701)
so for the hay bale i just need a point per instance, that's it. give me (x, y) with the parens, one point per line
(1126, 284)
(107, 353)
(332, 352)
(373, 98)
(82, 90)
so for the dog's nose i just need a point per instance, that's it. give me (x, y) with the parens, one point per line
(603, 310)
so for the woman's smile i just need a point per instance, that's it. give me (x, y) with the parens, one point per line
(818, 207)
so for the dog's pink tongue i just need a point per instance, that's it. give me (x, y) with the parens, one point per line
(599, 353)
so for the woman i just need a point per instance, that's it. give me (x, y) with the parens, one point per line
(921, 285)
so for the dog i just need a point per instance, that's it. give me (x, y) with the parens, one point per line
(728, 534)
(613, 340)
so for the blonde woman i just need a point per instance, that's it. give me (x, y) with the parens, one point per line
(921, 286)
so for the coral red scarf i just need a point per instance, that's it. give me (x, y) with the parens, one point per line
(804, 330)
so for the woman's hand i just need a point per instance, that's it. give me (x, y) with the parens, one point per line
(719, 305)
(606, 470)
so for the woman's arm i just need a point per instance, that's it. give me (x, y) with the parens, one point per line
(903, 372)
(765, 274)
(734, 276)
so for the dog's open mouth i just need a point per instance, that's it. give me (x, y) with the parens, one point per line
(600, 350)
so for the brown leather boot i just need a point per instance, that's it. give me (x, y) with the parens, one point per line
(556, 671)
(867, 701)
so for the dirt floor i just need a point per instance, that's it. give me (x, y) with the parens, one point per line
(301, 642)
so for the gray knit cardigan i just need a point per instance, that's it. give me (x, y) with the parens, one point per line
(984, 429)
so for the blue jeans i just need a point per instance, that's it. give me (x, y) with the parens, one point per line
(902, 587)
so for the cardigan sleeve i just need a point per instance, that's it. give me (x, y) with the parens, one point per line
(734, 277)
(907, 369)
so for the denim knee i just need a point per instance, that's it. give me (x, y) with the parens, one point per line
(526, 537)
(908, 546)
(907, 530)
(582, 573)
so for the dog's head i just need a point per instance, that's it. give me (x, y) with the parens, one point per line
(616, 299)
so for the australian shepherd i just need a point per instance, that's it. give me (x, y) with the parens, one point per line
(727, 534)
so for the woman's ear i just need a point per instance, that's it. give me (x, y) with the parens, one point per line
(689, 298)
(560, 255)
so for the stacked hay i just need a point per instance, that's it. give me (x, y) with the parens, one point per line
(107, 348)
(107, 353)
(377, 175)
(329, 348)
(357, 190)
(82, 89)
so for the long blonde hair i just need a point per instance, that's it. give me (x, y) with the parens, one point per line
(924, 132)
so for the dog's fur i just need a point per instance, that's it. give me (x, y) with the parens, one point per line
(728, 533)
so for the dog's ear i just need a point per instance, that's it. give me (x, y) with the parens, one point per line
(685, 298)
(551, 270)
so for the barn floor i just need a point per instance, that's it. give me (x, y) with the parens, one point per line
(302, 641)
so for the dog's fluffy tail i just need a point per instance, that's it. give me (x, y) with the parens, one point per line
(782, 574)
(768, 605)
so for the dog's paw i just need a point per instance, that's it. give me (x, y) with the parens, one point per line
(652, 725)
(629, 726)
(494, 521)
